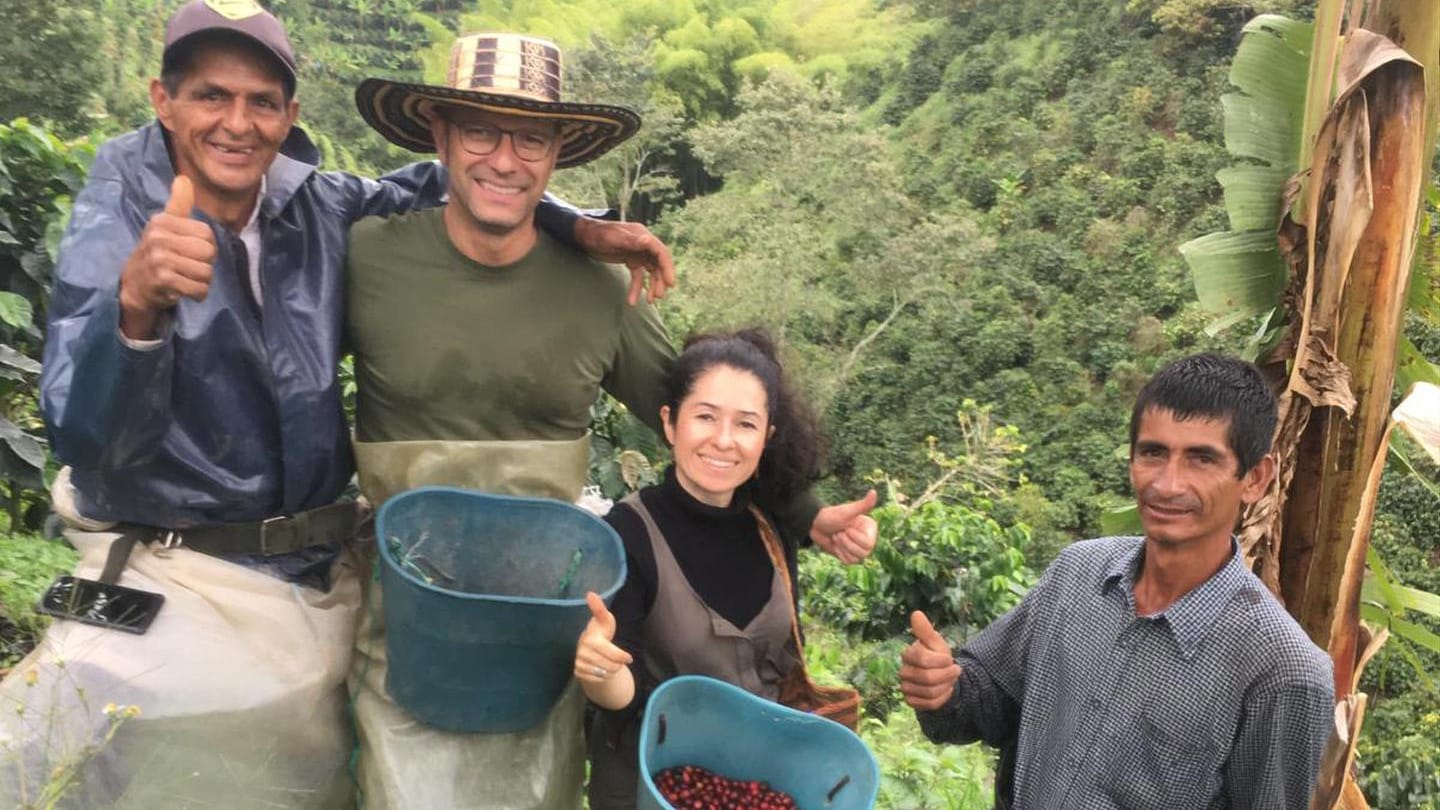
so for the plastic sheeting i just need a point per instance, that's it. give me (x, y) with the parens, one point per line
(405, 764)
(237, 684)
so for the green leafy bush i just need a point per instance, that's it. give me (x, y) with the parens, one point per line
(916, 774)
(1399, 761)
(872, 667)
(38, 175)
(27, 566)
(956, 564)
(625, 455)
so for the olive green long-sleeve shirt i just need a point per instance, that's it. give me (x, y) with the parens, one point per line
(450, 349)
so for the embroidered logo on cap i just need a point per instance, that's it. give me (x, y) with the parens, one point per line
(235, 9)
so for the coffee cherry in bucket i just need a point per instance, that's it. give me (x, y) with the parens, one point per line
(688, 787)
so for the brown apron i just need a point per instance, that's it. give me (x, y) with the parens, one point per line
(684, 636)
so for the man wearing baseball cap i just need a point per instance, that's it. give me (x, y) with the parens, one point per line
(190, 385)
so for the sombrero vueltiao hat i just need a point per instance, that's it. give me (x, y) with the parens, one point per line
(508, 74)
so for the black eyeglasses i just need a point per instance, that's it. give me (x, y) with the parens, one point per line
(529, 143)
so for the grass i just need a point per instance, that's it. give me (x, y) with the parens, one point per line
(27, 566)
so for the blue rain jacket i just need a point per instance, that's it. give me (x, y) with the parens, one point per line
(237, 415)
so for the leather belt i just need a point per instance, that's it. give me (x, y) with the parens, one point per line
(276, 535)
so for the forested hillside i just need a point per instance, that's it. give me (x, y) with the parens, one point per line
(960, 217)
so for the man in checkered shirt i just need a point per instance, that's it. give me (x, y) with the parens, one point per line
(1152, 672)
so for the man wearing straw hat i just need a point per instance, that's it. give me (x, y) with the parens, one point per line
(481, 344)
(190, 383)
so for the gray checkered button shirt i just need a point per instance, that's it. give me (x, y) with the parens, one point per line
(1220, 701)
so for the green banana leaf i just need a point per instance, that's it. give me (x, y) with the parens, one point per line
(1264, 120)
(1239, 274)
(1236, 273)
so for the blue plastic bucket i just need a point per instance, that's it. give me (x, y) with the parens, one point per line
(694, 720)
(484, 601)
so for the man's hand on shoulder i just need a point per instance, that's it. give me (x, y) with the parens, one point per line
(630, 244)
(173, 259)
(928, 673)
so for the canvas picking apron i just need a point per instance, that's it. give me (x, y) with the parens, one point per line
(683, 635)
(406, 764)
(238, 687)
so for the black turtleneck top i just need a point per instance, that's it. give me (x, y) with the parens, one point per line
(718, 549)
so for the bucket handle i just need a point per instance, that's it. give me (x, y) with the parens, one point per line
(660, 739)
(844, 780)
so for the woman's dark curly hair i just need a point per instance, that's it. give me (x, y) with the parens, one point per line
(793, 453)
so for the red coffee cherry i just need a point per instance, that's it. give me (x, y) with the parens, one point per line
(693, 788)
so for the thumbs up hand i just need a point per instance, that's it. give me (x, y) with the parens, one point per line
(928, 673)
(846, 530)
(172, 260)
(597, 659)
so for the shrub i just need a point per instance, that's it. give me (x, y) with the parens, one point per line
(27, 565)
(915, 774)
(38, 174)
(1399, 763)
(956, 564)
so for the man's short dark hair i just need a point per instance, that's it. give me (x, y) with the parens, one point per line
(1211, 386)
(181, 57)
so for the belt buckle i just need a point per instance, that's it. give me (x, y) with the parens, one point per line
(265, 533)
(170, 540)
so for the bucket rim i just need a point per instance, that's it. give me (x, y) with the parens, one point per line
(725, 687)
(528, 502)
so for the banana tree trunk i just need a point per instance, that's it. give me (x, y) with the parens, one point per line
(1360, 214)
(1363, 140)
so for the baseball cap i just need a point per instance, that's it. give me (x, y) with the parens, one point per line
(243, 17)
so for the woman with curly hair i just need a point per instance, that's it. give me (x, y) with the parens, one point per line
(704, 595)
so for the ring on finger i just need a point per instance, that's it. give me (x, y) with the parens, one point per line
(599, 671)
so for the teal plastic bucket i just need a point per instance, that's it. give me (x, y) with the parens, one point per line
(485, 600)
(694, 720)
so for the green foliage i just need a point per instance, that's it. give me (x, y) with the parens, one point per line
(28, 564)
(1399, 762)
(836, 657)
(1011, 244)
(915, 773)
(642, 176)
(1205, 18)
(39, 173)
(51, 72)
(958, 565)
(625, 455)
(760, 252)
(1403, 538)
(339, 43)
(701, 51)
